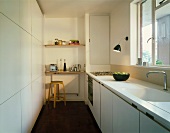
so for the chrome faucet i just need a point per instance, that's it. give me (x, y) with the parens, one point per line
(165, 77)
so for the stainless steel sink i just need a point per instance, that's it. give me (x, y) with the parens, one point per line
(149, 94)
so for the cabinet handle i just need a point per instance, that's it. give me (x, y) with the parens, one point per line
(134, 106)
(149, 115)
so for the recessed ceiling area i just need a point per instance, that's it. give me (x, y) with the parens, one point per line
(77, 8)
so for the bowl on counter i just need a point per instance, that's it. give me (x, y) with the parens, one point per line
(121, 76)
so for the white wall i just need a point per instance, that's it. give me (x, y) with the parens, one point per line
(21, 90)
(120, 28)
(122, 61)
(66, 29)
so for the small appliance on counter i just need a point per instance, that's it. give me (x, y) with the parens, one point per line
(78, 66)
(53, 67)
(75, 68)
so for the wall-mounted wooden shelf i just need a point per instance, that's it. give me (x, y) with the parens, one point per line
(63, 72)
(51, 45)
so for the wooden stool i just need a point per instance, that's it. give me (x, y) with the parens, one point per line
(56, 90)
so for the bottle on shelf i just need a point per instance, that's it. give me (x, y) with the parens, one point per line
(57, 65)
(65, 69)
(56, 41)
(61, 65)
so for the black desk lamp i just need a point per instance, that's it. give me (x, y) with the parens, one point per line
(117, 48)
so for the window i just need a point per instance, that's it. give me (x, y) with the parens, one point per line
(153, 26)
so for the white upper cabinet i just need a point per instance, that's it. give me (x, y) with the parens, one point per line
(99, 40)
(36, 58)
(10, 55)
(147, 125)
(25, 58)
(25, 15)
(37, 20)
(10, 8)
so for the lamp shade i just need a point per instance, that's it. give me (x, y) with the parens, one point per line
(117, 48)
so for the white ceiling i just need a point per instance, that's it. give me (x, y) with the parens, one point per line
(76, 8)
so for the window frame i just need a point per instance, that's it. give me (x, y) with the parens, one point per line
(139, 6)
(134, 7)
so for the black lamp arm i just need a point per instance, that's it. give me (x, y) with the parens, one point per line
(126, 38)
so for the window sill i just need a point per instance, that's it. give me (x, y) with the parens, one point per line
(153, 67)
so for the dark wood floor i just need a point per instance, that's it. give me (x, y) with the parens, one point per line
(75, 117)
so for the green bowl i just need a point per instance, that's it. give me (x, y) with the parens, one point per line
(121, 77)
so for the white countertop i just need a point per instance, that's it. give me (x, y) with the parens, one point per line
(160, 110)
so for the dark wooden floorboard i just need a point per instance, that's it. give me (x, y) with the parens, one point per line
(75, 117)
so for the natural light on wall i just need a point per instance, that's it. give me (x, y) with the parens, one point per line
(150, 32)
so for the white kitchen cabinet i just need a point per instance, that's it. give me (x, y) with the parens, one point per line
(99, 40)
(125, 117)
(106, 110)
(10, 115)
(16, 56)
(26, 109)
(10, 8)
(37, 20)
(25, 15)
(40, 58)
(37, 98)
(25, 58)
(10, 65)
(147, 125)
(96, 101)
(36, 58)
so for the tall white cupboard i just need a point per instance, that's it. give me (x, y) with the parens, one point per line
(99, 39)
(21, 75)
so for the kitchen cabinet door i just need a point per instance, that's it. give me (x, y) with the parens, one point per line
(99, 40)
(10, 8)
(96, 101)
(25, 58)
(25, 15)
(37, 93)
(37, 20)
(36, 58)
(26, 109)
(106, 110)
(147, 125)
(10, 115)
(125, 117)
(10, 64)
